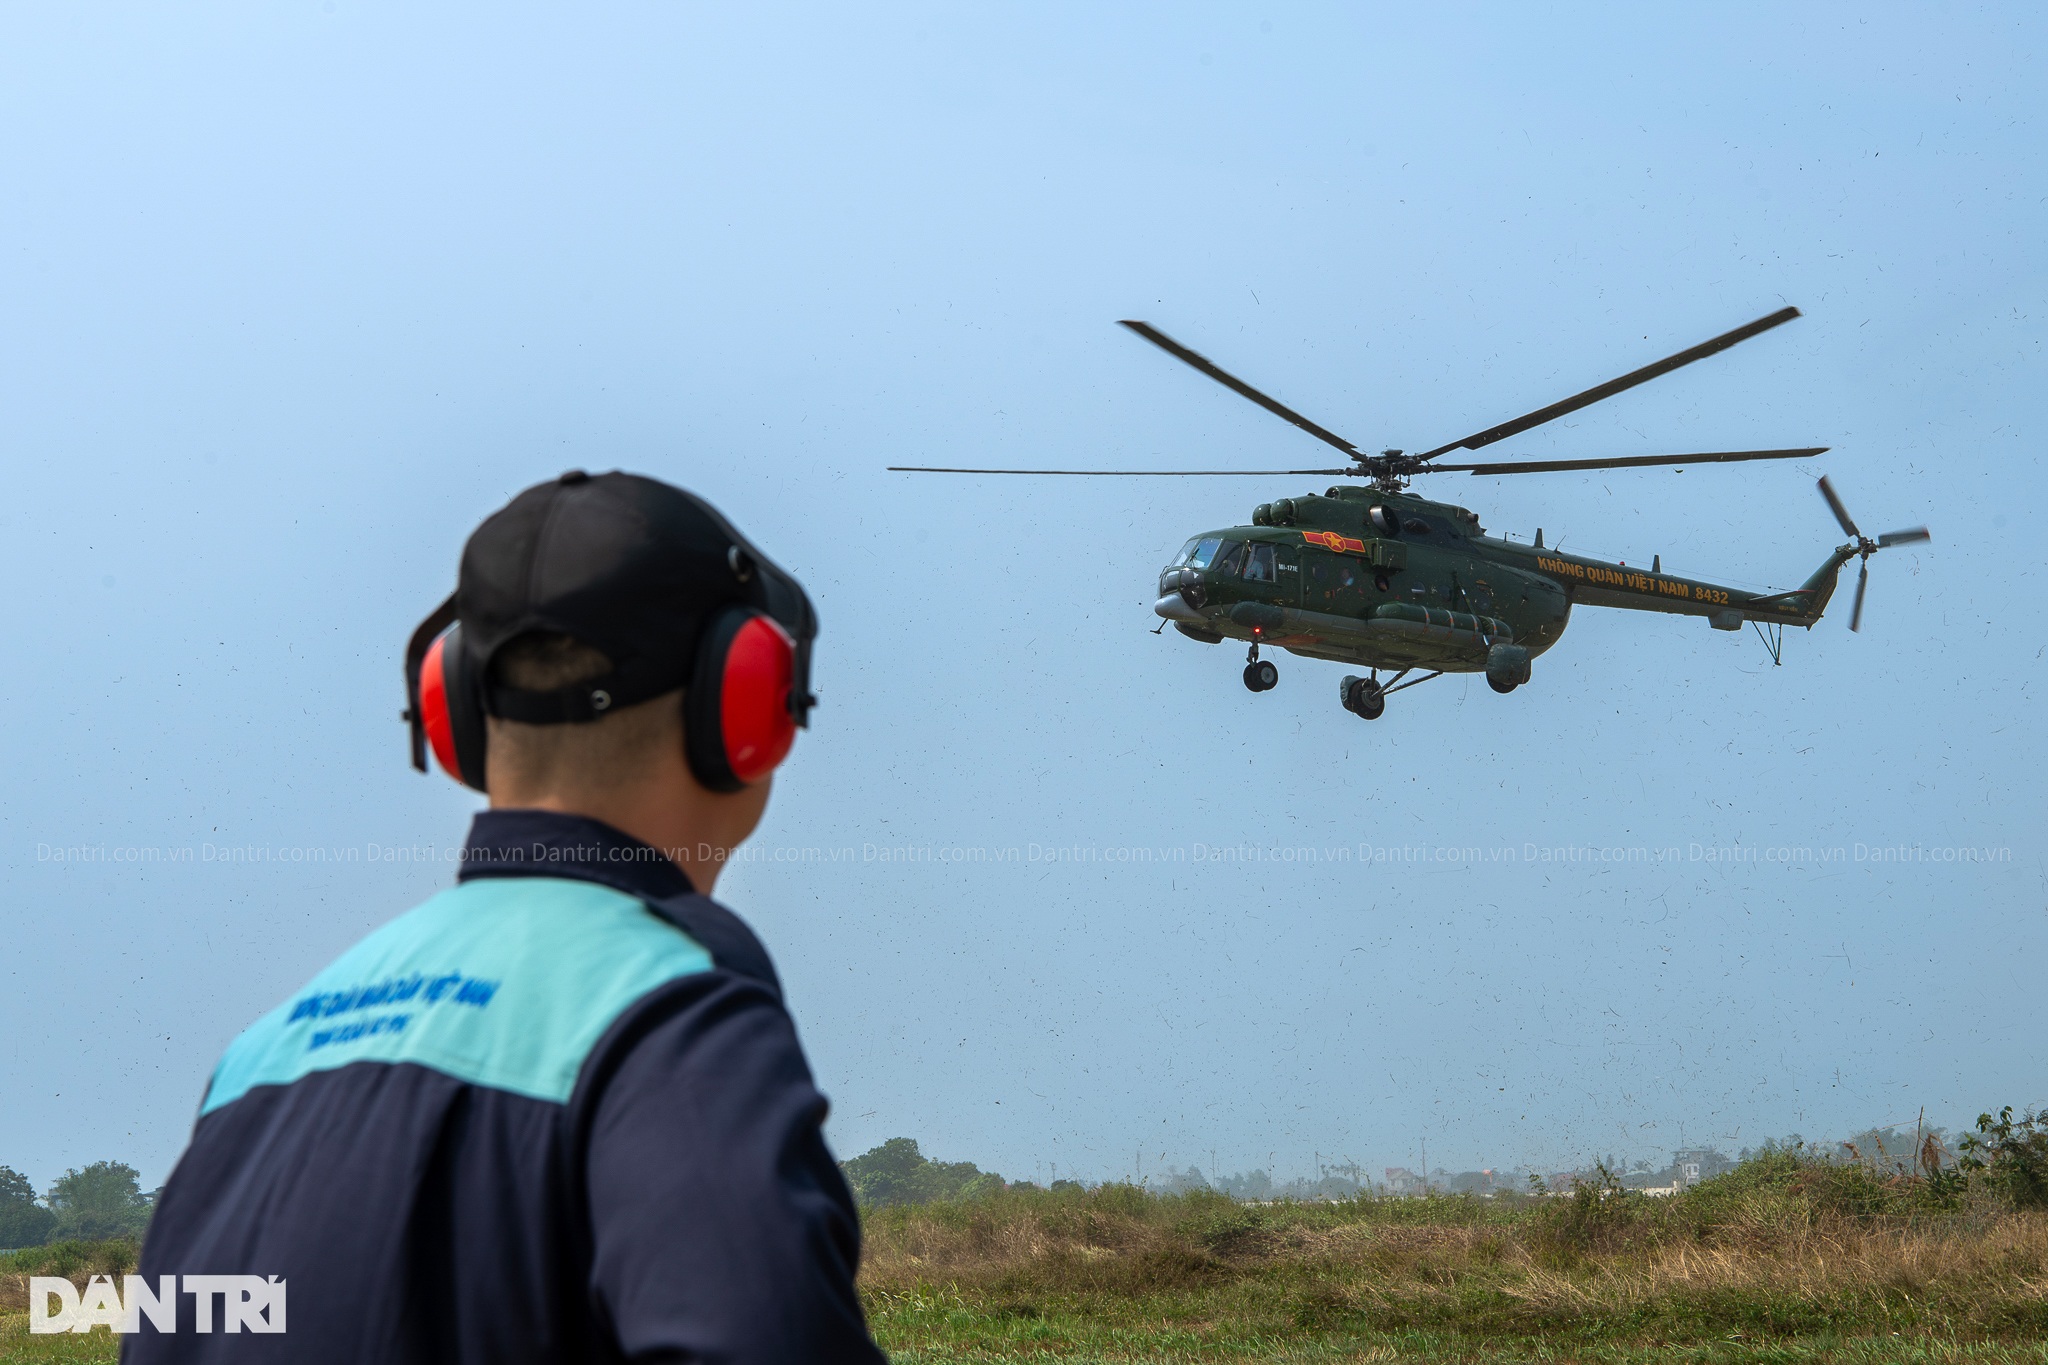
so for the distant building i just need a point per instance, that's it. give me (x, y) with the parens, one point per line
(1401, 1180)
(1691, 1165)
(1470, 1182)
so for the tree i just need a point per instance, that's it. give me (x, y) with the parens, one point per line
(898, 1173)
(23, 1222)
(103, 1201)
(1246, 1185)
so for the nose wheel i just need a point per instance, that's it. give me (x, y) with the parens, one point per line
(1259, 675)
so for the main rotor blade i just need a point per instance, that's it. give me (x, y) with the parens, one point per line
(1628, 461)
(1827, 490)
(1856, 612)
(1614, 386)
(1891, 538)
(1130, 473)
(1236, 385)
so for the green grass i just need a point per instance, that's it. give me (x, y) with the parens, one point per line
(1784, 1260)
(17, 1346)
(78, 1260)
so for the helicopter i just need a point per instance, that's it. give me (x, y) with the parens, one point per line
(1372, 575)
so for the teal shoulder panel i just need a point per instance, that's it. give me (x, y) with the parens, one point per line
(505, 982)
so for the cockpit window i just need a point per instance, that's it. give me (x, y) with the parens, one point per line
(1198, 552)
(1258, 566)
(1232, 560)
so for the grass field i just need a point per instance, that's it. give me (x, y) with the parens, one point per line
(1785, 1260)
(76, 1260)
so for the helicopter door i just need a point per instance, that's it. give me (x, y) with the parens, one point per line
(1333, 583)
(1286, 585)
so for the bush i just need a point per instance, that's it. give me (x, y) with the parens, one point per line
(1597, 1215)
(74, 1261)
(113, 1257)
(2011, 1156)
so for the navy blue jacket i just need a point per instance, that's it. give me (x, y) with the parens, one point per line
(556, 1113)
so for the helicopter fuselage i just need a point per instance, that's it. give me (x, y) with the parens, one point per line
(1364, 575)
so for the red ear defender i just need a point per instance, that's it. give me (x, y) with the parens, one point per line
(448, 710)
(434, 708)
(760, 668)
(738, 722)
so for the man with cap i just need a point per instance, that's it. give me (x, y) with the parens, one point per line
(558, 1112)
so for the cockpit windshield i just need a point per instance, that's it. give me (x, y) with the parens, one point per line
(1198, 552)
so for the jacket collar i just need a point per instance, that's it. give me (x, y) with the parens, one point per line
(545, 843)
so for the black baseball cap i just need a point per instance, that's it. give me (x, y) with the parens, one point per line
(631, 566)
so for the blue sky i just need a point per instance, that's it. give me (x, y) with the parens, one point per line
(296, 294)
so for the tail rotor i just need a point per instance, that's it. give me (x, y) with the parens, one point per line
(1866, 547)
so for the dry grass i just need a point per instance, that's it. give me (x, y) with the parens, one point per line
(1790, 1258)
(76, 1261)
(1787, 1263)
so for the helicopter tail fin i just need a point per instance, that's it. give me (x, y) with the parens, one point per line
(1806, 602)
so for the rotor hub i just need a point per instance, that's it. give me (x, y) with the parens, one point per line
(1390, 470)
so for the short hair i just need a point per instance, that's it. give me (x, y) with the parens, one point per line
(578, 755)
(547, 661)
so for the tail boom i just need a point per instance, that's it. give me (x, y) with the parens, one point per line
(1593, 583)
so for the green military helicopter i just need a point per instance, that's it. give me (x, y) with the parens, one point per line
(1372, 575)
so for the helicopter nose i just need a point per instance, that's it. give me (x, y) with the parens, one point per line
(1174, 607)
(1187, 582)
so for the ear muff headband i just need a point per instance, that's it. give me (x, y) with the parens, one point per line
(738, 718)
(423, 637)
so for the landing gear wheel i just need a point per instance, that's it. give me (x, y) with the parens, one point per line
(1261, 676)
(1364, 697)
(1502, 687)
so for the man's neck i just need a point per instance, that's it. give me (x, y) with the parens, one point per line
(689, 844)
(662, 805)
